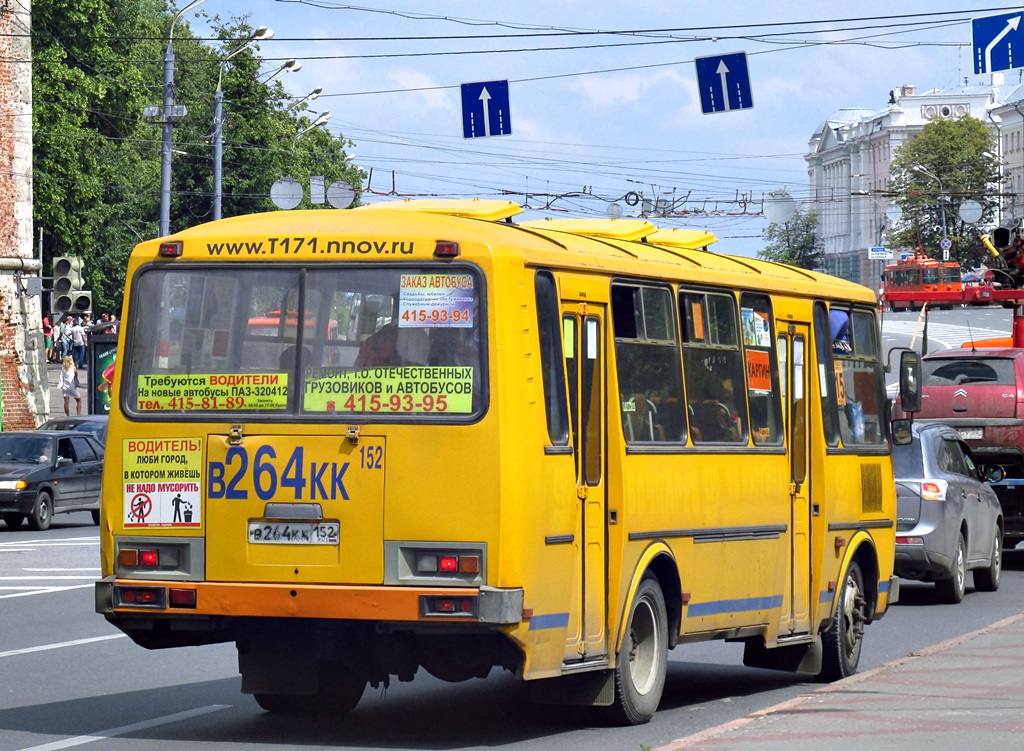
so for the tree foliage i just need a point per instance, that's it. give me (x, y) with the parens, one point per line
(950, 162)
(96, 161)
(795, 243)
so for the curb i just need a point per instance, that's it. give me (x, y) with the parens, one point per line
(706, 735)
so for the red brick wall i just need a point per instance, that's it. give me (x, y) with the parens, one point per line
(22, 363)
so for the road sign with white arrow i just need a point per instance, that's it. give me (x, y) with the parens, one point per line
(994, 40)
(724, 83)
(485, 109)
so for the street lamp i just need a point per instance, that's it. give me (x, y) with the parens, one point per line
(288, 66)
(169, 112)
(321, 120)
(308, 98)
(261, 34)
(942, 197)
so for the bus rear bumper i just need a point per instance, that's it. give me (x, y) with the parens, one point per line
(154, 598)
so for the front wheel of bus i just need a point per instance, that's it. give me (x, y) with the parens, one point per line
(845, 634)
(643, 660)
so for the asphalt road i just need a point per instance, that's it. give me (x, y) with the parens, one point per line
(69, 680)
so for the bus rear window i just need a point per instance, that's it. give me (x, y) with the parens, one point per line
(390, 342)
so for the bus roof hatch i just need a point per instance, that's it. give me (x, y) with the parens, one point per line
(488, 210)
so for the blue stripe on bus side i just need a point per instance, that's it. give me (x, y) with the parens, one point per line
(733, 606)
(551, 620)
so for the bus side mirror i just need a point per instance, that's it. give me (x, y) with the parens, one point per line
(910, 381)
(902, 432)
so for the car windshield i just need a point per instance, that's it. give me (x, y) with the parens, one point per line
(907, 461)
(23, 448)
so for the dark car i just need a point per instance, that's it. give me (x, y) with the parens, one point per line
(43, 473)
(95, 424)
(948, 519)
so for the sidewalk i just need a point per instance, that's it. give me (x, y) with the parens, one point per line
(57, 399)
(964, 693)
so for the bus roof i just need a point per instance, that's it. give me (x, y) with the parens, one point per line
(627, 247)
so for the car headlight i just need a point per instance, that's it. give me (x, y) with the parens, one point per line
(13, 484)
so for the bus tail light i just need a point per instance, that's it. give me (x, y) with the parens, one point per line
(447, 563)
(182, 598)
(465, 606)
(140, 597)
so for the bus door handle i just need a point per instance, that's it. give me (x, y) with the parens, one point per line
(794, 488)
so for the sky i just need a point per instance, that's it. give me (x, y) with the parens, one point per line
(604, 106)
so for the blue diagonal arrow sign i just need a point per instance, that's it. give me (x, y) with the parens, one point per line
(995, 38)
(724, 83)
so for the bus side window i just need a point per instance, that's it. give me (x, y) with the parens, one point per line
(551, 361)
(762, 367)
(713, 368)
(647, 362)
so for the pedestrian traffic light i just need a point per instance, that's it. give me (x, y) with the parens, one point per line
(68, 296)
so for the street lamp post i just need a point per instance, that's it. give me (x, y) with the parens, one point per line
(261, 34)
(168, 125)
(942, 196)
(321, 120)
(288, 66)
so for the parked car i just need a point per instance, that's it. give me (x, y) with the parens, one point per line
(43, 473)
(95, 424)
(980, 392)
(948, 519)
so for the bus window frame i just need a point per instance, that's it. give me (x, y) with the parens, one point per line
(294, 412)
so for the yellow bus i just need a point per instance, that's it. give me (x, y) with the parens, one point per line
(560, 448)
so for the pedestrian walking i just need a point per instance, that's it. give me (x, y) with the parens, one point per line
(63, 338)
(78, 343)
(69, 385)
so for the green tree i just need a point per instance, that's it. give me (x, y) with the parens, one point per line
(96, 161)
(950, 162)
(795, 243)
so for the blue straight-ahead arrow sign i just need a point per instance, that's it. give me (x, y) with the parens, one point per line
(485, 109)
(994, 40)
(724, 83)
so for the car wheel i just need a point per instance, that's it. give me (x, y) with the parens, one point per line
(643, 659)
(987, 579)
(13, 520)
(42, 514)
(95, 516)
(952, 590)
(844, 637)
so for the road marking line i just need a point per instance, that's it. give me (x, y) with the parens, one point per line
(89, 568)
(60, 645)
(44, 578)
(125, 729)
(45, 590)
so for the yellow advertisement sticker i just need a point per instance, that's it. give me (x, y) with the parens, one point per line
(434, 389)
(213, 391)
(162, 482)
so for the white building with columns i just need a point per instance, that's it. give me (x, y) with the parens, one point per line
(849, 155)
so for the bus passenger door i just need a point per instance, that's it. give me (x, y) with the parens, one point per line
(796, 606)
(582, 332)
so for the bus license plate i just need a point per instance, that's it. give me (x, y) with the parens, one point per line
(293, 533)
(970, 434)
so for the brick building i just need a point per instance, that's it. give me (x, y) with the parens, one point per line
(22, 354)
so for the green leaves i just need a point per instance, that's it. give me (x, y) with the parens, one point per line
(96, 162)
(950, 162)
(794, 243)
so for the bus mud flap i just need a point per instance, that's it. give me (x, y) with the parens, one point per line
(792, 658)
(594, 689)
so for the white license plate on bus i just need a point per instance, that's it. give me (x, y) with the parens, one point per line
(293, 533)
(970, 434)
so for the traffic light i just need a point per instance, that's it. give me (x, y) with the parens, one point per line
(68, 295)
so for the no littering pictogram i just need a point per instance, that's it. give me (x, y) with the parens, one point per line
(141, 507)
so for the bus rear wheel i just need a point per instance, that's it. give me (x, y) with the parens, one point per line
(845, 634)
(643, 660)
